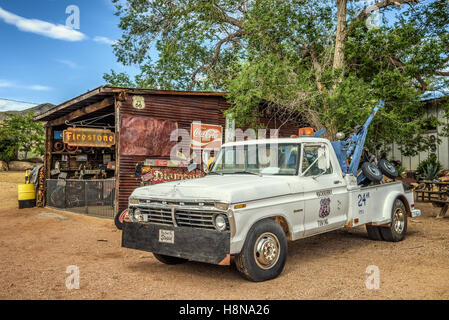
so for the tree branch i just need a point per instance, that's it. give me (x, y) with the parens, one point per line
(226, 18)
(398, 63)
(216, 55)
(441, 73)
(377, 6)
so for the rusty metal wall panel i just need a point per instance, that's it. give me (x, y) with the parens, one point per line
(145, 136)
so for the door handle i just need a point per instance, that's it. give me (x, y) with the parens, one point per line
(337, 181)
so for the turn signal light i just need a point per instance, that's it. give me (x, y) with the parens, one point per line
(306, 131)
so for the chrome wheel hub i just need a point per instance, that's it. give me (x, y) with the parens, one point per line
(398, 220)
(266, 250)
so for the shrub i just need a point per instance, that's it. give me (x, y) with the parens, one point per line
(430, 163)
(430, 171)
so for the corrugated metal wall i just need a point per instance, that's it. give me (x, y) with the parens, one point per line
(183, 110)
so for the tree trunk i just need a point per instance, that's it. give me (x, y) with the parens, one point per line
(339, 55)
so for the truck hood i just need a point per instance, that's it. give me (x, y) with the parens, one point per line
(232, 188)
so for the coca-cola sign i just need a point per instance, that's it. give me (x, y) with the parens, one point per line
(205, 136)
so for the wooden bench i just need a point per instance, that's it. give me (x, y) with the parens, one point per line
(440, 197)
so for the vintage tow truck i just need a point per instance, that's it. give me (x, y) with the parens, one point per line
(261, 193)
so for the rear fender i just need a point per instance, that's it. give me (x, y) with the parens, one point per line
(389, 201)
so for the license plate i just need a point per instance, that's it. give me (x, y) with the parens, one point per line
(166, 236)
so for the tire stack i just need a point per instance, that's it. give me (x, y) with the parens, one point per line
(374, 173)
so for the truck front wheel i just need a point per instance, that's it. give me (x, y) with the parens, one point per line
(264, 253)
(398, 227)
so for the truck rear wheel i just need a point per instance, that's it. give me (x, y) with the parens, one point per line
(168, 259)
(398, 227)
(374, 233)
(264, 253)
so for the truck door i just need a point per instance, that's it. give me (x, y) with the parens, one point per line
(325, 190)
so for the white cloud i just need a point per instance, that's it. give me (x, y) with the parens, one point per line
(35, 87)
(41, 27)
(104, 40)
(5, 84)
(13, 106)
(68, 63)
(38, 87)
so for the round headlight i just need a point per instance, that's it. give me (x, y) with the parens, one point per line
(138, 215)
(220, 223)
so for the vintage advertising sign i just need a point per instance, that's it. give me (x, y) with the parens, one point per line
(144, 136)
(165, 163)
(160, 175)
(138, 102)
(87, 137)
(205, 136)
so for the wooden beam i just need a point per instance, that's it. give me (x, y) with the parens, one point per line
(82, 112)
(67, 104)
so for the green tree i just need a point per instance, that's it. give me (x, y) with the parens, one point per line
(21, 133)
(325, 59)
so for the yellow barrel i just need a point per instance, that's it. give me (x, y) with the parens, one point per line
(27, 196)
(26, 191)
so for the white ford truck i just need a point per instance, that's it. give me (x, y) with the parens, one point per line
(258, 195)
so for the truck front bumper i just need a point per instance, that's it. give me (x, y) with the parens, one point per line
(201, 245)
(415, 213)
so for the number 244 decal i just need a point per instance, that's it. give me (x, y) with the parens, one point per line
(362, 199)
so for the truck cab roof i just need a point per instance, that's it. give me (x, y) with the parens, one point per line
(302, 139)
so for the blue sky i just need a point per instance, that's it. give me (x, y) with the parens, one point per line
(42, 60)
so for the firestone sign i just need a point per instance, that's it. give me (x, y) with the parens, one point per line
(85, 137)
(205, 136)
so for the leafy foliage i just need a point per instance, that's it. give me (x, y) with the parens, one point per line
(429, 165)
(430, 171)
(284, 52)
(21, 133)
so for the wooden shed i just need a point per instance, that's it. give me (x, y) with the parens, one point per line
(106, 142)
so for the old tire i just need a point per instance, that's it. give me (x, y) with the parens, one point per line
(371, 172)
(169, 259)
(120, 217)
(264, 253)
(374, 233)
(387, 169)
(398, 227)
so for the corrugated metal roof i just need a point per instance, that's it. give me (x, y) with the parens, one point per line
(430, 95)
(100, 93)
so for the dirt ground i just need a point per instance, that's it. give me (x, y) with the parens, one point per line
(37, 245)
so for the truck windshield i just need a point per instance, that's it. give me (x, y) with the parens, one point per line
(270, 159)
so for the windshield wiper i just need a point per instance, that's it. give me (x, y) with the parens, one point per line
(247, 172)
(213, 172)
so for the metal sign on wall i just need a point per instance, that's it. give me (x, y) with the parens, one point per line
(205, 136)
(86, 137)
(160, 175)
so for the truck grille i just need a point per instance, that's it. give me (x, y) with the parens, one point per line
(197, 219)
(185, 216)
(158, 215)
